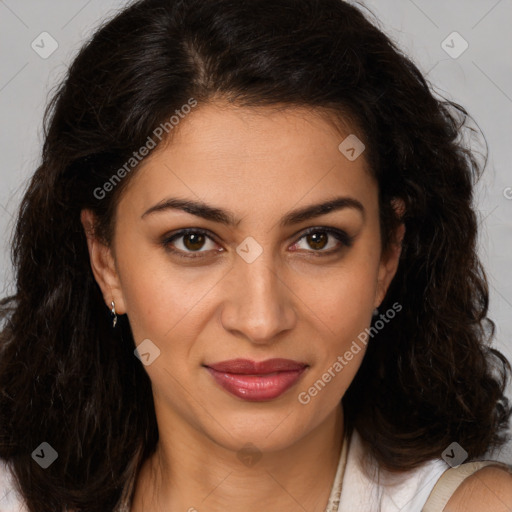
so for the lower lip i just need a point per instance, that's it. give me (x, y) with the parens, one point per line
(257, 388)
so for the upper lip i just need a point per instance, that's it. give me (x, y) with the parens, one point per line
(248, 367)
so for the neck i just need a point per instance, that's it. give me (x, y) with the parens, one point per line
(189, 472)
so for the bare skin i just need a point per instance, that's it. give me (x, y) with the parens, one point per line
(487, 490)
(290, 302)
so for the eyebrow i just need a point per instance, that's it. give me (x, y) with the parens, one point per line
(214, 214)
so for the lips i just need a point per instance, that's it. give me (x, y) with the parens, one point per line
(248, 367)
(257, 381)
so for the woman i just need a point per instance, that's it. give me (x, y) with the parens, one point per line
(247, 277)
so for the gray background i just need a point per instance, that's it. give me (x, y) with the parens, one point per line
(480, 79)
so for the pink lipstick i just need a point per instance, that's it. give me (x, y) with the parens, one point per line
(257, 381)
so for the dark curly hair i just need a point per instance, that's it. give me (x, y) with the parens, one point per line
(68, 378)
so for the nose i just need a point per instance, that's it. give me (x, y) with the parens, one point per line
(259, 304)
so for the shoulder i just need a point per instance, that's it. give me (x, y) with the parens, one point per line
(487, 490)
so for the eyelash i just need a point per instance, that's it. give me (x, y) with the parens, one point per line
(340, 235)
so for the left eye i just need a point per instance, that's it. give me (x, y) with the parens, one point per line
(193, 240)
(317, 238)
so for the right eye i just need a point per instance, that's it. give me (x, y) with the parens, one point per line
(190, 240)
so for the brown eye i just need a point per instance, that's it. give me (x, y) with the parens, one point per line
(187, 242)
(318, 239)
(194, 241)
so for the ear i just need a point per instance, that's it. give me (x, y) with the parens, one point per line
(102, 264)
(390, 258)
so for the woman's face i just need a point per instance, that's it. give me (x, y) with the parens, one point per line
(250, 282)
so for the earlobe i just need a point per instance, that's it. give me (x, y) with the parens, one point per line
(102, 264)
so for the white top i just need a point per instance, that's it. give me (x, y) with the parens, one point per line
(9, 498)
(383, 491)
(374, 493)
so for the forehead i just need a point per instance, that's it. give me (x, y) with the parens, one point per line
(259, 156)
(229, 131)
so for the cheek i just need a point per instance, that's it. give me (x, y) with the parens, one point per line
(148, 297)
(342, 315)
(343, 312)
(155, 305)
(346, 297)
(161, 298)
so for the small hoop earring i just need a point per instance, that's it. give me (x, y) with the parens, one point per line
(375, 311)
(114, 315)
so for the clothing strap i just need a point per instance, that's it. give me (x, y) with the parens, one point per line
(335, 496)
(451, 479)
